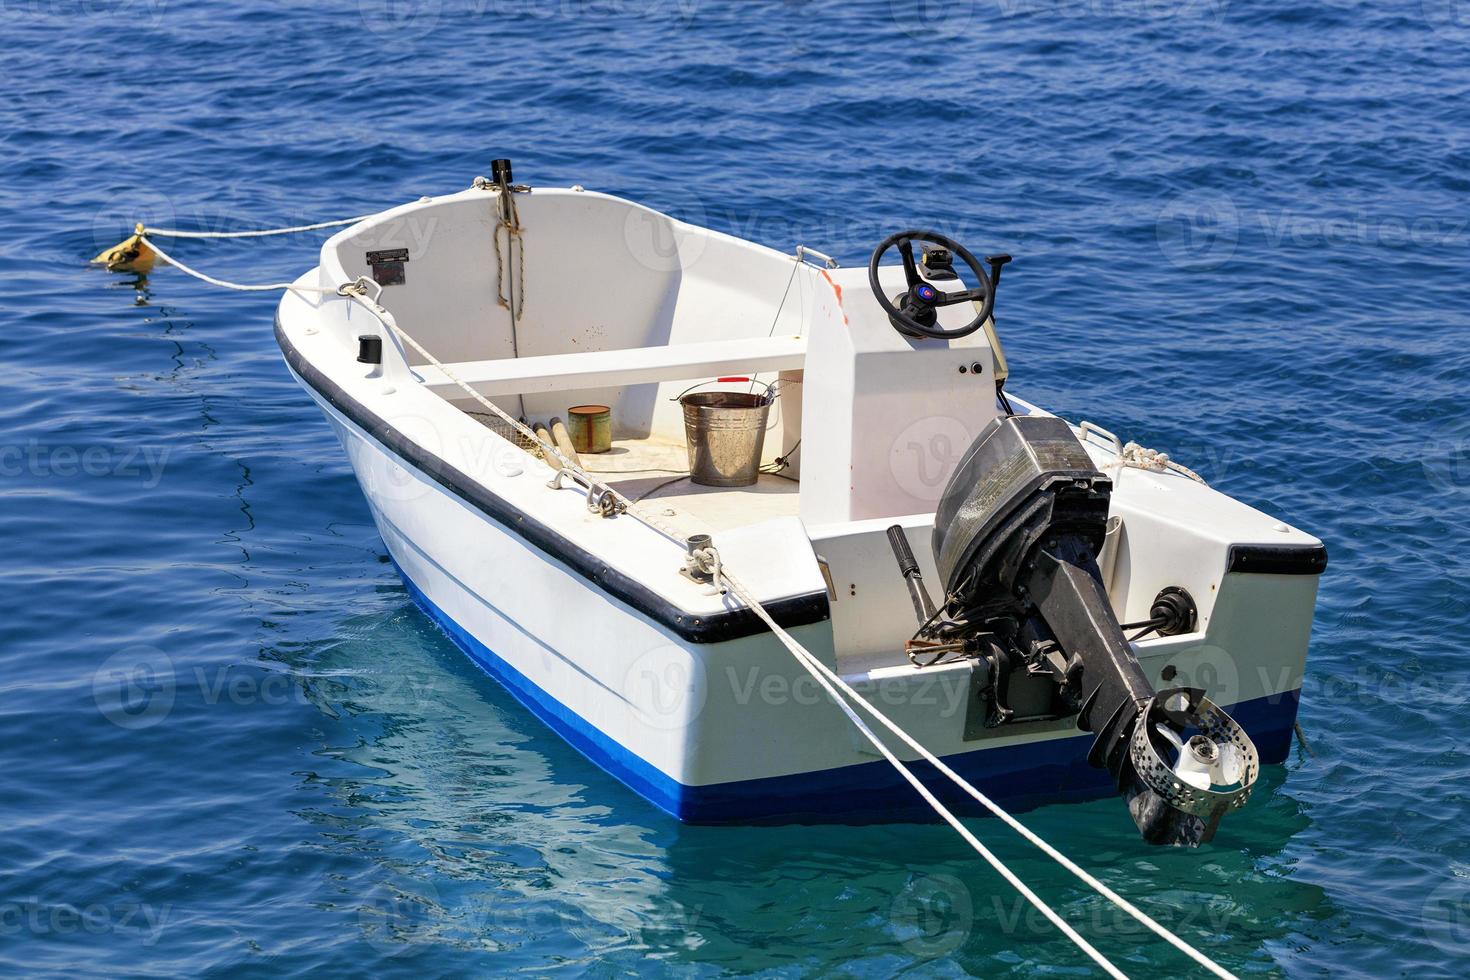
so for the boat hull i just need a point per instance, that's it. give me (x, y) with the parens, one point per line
(716, 730)
(1018, 777)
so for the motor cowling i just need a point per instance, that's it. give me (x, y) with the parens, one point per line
(1016, 540)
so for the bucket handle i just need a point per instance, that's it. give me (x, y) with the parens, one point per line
(770, 388)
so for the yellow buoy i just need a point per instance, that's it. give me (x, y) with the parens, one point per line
(133, 255)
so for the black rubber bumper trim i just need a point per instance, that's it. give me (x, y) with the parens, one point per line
(795, 611)
(1273, 559)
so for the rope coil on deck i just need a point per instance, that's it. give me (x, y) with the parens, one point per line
(707, 559)
(1137, 457)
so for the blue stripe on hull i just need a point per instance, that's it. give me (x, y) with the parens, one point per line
(1018, 777)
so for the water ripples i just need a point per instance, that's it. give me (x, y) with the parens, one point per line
(1240, 237)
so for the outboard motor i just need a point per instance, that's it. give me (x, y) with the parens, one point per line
(1016, 539)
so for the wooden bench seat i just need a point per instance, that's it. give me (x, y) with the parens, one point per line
(614, 368)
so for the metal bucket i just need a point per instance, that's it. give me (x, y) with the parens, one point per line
(726, 431)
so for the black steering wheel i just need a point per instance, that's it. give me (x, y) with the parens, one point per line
(914, 313)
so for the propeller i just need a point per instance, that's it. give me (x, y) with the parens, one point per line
(1202, 762)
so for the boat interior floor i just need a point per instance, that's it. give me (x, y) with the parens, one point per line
(654, 469)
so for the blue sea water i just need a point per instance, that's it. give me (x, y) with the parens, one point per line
(230, 744)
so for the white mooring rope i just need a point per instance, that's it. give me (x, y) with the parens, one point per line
(838, 689)
(175, 233)
(268, 287)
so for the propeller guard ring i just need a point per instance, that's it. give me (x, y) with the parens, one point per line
(1212, 721)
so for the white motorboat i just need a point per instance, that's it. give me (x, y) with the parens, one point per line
(822, 460)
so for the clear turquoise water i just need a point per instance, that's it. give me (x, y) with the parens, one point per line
(1241, 236)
